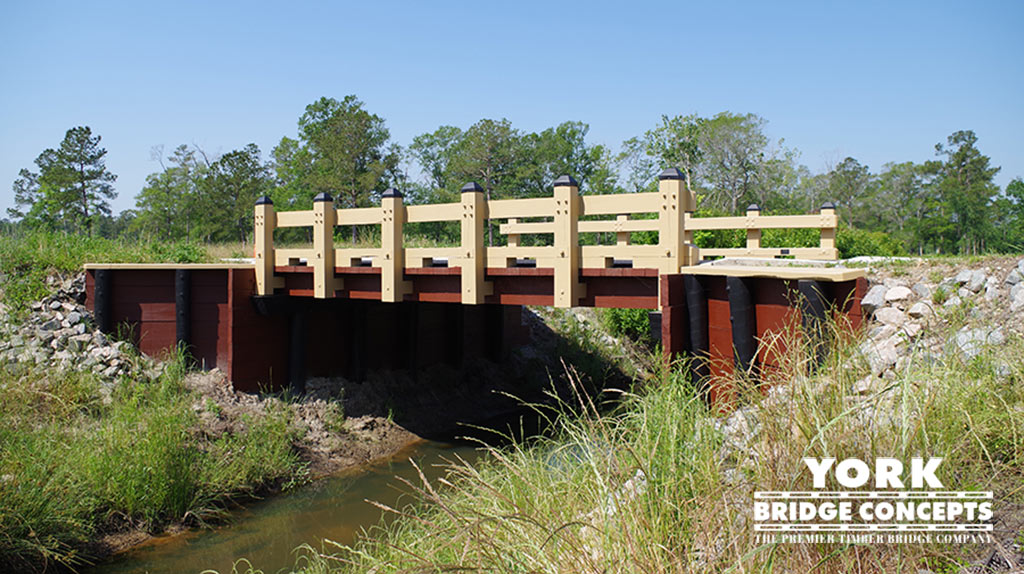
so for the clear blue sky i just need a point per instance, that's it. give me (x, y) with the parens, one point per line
(881, 81)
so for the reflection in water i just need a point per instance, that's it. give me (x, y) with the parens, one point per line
(267, 532)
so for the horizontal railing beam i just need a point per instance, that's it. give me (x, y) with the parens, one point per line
(537, 227)
(436, 212)
(621, 203)
(761, 222)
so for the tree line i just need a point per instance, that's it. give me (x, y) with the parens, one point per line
(949, 204)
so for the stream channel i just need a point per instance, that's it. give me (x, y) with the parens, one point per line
(267, 532)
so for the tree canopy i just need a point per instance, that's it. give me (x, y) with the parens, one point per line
(949, 204)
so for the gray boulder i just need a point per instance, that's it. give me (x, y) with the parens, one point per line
(891, 316)
(897, 294)
(1014, 277)
(963, 277)
(970, 342)
(874, 299)
(977, 281)
(922, 290)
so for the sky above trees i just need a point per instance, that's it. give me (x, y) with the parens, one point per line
(874, 81)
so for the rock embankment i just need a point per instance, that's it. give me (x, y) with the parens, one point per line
(913, 308)
(59, 333)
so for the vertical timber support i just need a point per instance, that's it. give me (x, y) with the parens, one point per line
(393, 287)
(828, 228)
(744, 326)
(692, 256)
(103, 300)
(697, 317)
(753, 231)
(813, 306)
(324, 219)
(183, 308)
(672, 190)
(568, 289)
(474, 260)
(265, 220)
(674, 326)
(297, 350)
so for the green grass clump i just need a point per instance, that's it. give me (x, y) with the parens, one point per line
(78, 461)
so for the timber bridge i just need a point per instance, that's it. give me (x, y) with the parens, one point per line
(321, 310)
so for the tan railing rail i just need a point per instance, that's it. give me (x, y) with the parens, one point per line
(672, 207)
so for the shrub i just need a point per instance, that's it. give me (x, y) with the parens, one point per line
(631, 323)
(853, 242)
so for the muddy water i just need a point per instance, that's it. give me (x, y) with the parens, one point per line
(267, 532)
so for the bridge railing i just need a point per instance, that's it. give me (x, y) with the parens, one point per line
(669, 212)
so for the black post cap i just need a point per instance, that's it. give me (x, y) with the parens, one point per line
(391, 192)
(322, 196)
(828, 205)
(264, 200)
(753, 207)
(471, 187)
(671, 173)
(566, 180)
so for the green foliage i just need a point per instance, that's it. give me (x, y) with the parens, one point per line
(71, 189)
(198, 197)
(853, 242)
(73, 464)
(633, 324)
(27, 259)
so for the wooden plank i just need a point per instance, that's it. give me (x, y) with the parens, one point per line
(614, 226)
(799, 252)
(761, 222)
(532, 207)
(345, 271)
(623, 203)
(779, 272)
(359, 216)
(418, 271)
(166, 266)
(617, 272)
(295, 218)
(520, 272)
(621, 292)
(433, 212)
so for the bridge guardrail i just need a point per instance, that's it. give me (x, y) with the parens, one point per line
(672, 205)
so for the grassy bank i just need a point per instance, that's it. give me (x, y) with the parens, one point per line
(28, 259)
(663, 484)
(80, 458)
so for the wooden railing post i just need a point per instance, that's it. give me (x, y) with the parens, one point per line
(393, 286)
(324, 219)
(264, 222)
(828, 227)
(753, 232)
(672, 188)
(567, 242)
(474, 260)
(622, 237)
(513, 238)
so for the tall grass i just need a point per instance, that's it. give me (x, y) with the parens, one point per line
(662, 483)
(26, 259)
(74, 466)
